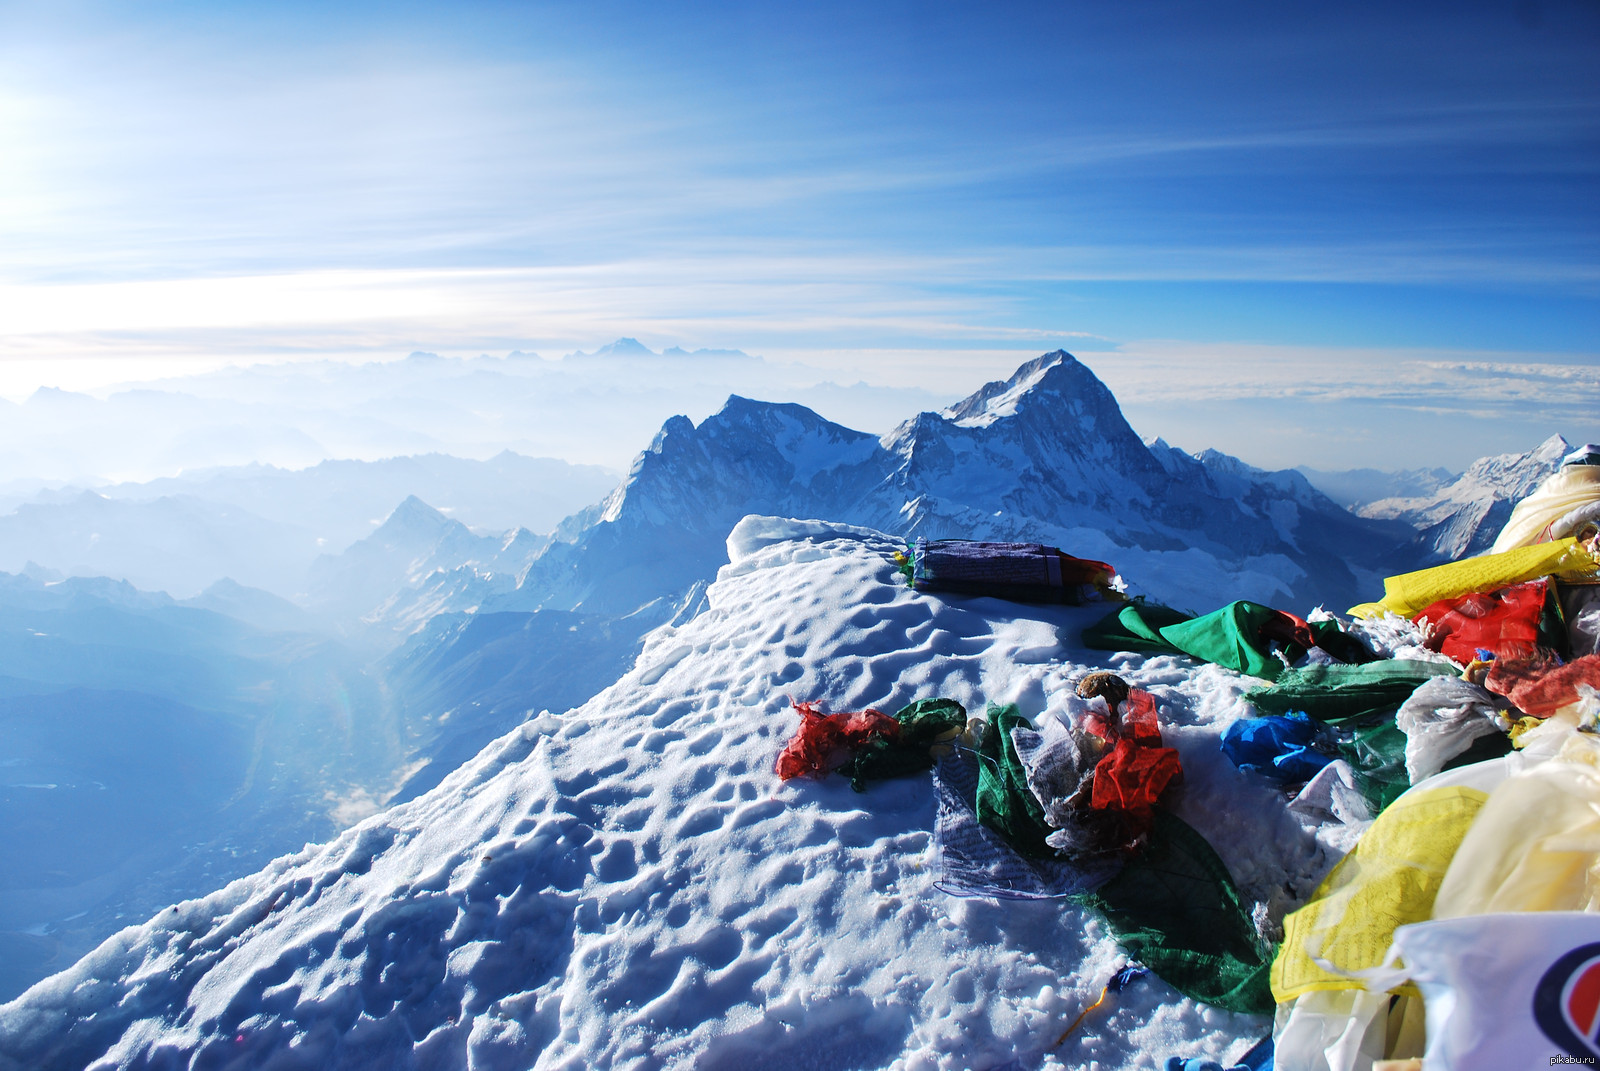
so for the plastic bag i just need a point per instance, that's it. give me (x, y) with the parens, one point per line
(1004, 802)
(1534, 519)
(1332, 808)
(1277, 746)
(1441, 720)
(1580, 605)
(1535, 845)
(1059, 761)
(1506, 990)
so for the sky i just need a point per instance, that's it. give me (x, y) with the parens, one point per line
(1354, 235)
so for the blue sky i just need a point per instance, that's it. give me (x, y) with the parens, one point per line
(1226, 196)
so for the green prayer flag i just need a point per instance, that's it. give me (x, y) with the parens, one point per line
(1135, 627)
(1229, 637)
(1005, 803)
(1176, 910)
(921, 724)
(1346, 693)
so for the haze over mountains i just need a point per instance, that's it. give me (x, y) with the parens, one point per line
(586, 408)
(343, 636)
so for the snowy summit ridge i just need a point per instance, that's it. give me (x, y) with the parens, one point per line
(628, 885)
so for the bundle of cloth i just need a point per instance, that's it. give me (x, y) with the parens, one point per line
(1022, 572)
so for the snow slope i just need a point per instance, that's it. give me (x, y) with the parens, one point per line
(628, 884)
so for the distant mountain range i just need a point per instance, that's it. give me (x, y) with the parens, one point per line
(1462, 518)
(1044, 455)
(1354, 488)
(151, 749)
(265, 527)
(587, 407)
(632, 347)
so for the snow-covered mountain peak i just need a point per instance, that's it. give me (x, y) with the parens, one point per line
(704, 475)
(1515, 475)
(1054, 387)
(1052, 426)
(999, 398)
(413, 519)
(1044, 455)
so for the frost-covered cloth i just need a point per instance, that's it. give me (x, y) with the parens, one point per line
(1506, 623)
(1332, 809)
(1441, 720)
(1097, 783)
(1004, 802)
(1024, 572)
(1240, 636)
(976, 861)
(1539, 686)
(1290, 748)
(825, 742)
(1175, 909)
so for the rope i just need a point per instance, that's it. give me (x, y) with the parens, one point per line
(1081, 1017)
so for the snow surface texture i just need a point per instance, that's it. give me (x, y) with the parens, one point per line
(629, 885)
